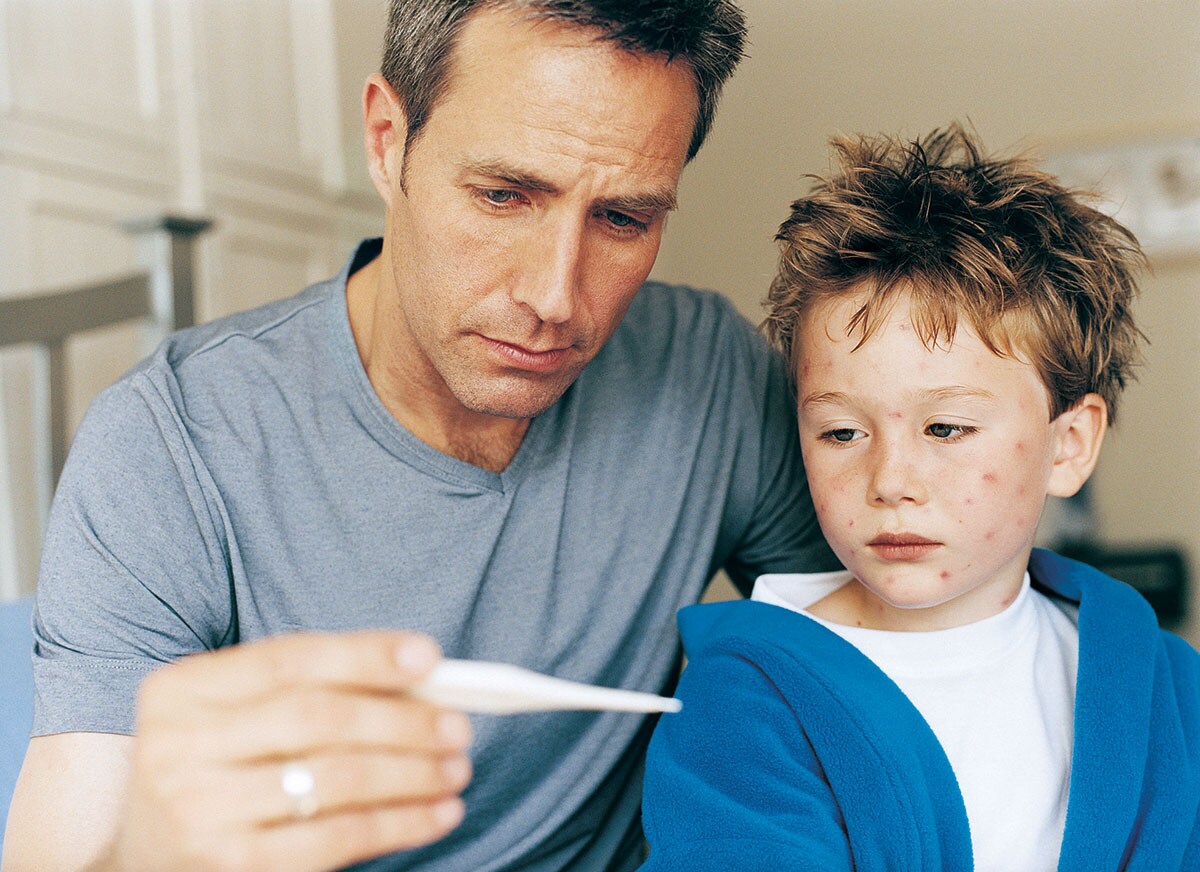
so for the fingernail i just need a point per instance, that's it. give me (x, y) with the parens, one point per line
(449, 812)
(454, 728)
(417, 654)
(456, 771)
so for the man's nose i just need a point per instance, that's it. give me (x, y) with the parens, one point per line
(549, 279)
(895, 474)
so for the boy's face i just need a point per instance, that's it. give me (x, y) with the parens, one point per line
(929, 468)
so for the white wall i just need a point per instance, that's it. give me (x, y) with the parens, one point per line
(231, 109)
(1050, 74)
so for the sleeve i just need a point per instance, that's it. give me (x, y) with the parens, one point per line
(783, 534)
(133, 570)
(732, 781)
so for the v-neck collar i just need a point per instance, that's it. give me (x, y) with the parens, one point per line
(393, 435)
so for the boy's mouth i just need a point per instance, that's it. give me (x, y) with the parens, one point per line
(902, 546)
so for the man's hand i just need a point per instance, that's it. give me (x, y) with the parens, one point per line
(217, 732)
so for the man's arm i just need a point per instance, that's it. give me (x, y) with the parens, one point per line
(200, 785)
(67, 799)
(783, 534)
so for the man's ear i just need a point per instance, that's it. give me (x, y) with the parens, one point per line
(1078, 433)
(385, 127)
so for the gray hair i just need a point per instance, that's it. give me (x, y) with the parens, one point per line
(708, 34)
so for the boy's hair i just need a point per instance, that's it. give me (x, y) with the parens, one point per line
(709, 35)
(1037, 273)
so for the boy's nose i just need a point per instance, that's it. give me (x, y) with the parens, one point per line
(550, 276)
(895, 477)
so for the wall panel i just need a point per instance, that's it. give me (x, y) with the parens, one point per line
(115, 108)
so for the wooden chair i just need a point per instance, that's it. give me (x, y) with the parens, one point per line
(162, 294)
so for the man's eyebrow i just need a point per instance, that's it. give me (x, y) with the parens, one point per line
(652, 202)
(508, 174)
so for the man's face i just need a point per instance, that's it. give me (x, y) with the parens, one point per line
(532, 208)
(929, 468)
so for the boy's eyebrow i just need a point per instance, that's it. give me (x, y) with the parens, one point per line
(653, 202)
(956, 392)
(943, 394)
(824, 398)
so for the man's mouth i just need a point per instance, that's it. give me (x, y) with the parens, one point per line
(902, 546)
(530, 359)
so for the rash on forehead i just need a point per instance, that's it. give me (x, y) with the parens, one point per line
(962, 369)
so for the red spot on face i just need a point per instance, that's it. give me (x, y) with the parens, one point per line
(991, 534)
(1020, 447)
(970, 501)
(851, 524)
(989, 477)
(945, 574)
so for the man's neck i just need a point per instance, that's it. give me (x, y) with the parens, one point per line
(435, 417)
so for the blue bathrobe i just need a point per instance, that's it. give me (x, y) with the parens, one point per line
(795, 752)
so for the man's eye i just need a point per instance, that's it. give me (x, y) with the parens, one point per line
(623, 221)
(500, 196)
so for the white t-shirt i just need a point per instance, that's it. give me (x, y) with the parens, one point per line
(999, 695)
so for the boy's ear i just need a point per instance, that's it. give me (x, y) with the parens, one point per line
(1078, 434)
(385, 128)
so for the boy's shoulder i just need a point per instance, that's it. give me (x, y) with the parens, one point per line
(1111, 611)
(801, 659)
(1126, 660)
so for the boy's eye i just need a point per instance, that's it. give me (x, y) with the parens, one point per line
(949, 432)
(840, 434)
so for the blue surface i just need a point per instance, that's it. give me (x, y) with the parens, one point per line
(16, 696)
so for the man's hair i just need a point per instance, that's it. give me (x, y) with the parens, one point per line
(708, 34)
(1038, 274)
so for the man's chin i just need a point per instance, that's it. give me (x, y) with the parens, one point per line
(520, 401)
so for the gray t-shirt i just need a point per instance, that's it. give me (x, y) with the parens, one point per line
(246, 480)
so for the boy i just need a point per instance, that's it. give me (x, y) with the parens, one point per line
(958, 329)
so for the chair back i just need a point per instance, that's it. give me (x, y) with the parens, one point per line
(162, 294)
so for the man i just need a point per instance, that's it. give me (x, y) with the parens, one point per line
(417, 444)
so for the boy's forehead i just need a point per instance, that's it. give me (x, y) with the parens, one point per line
(897, 362)
(856, 315)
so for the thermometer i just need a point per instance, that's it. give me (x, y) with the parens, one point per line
(500, 688)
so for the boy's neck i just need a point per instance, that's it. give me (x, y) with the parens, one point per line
(855, 605)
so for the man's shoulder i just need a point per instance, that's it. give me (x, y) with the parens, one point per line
(217, 366)
(297, 319)
(671, 329)
(670, 309)
(235, 350)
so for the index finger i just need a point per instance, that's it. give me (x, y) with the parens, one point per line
(371, 660)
